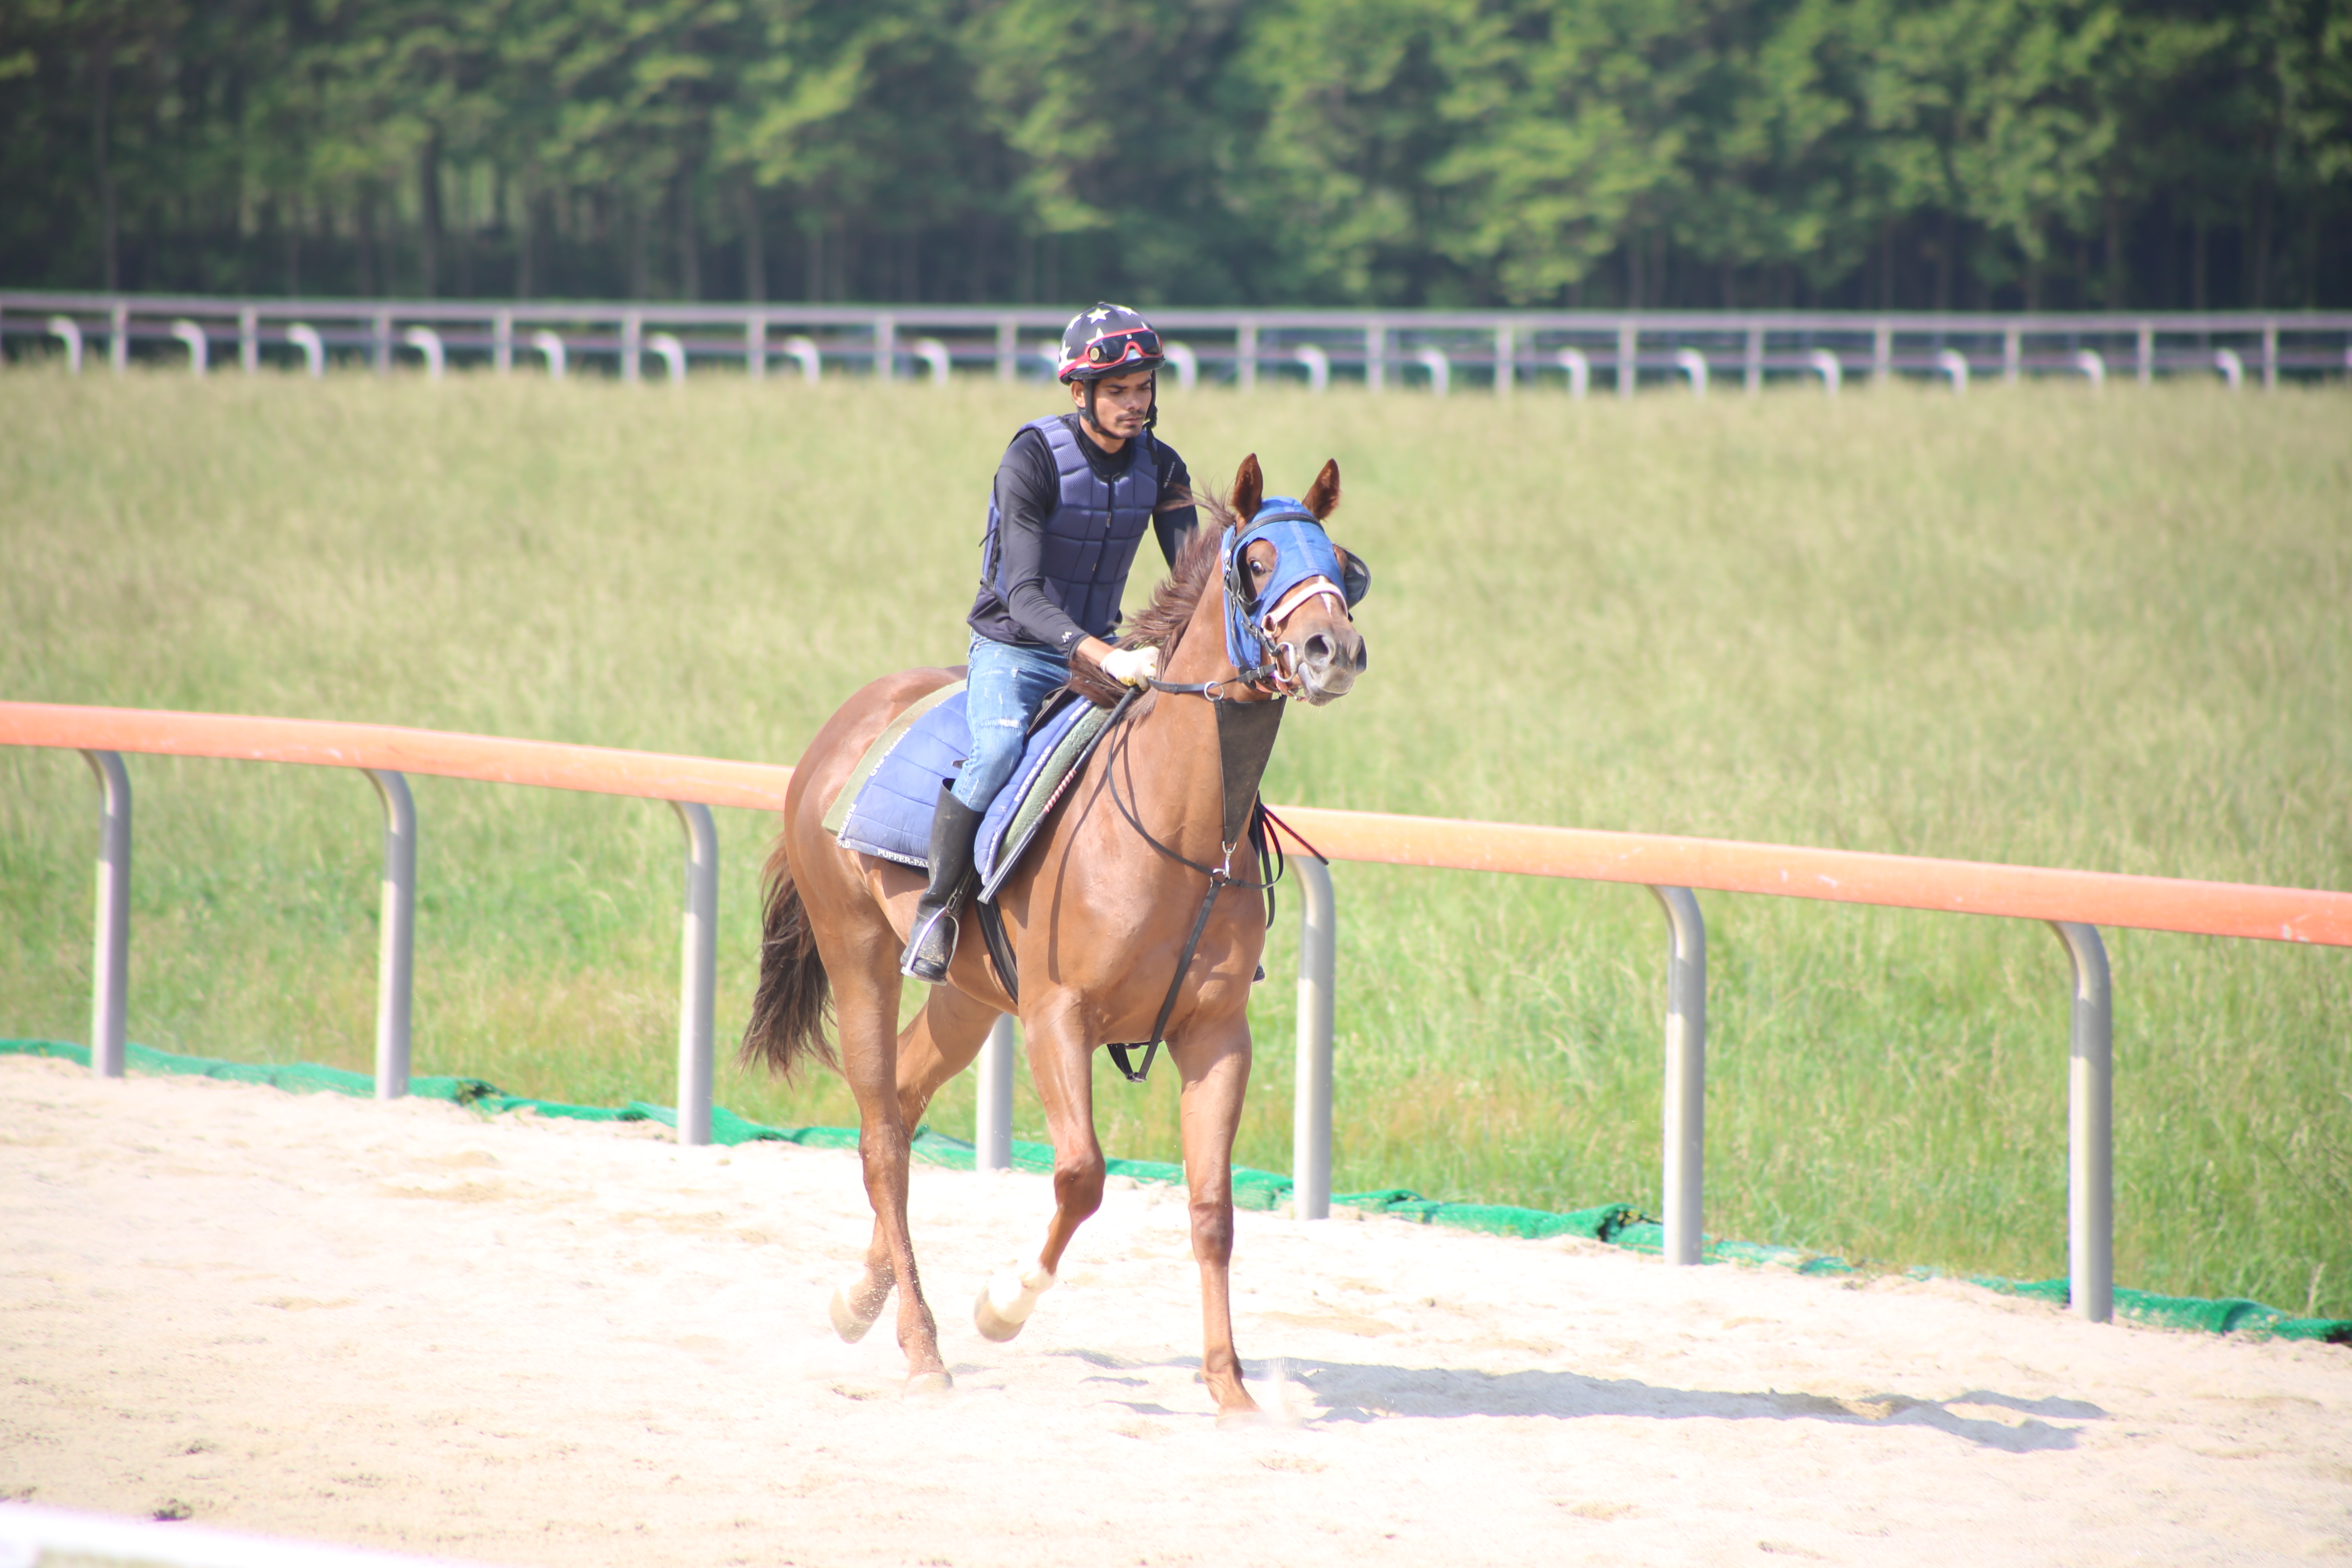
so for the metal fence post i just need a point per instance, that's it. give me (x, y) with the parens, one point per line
(1505, 351)
(632, 344)
(936, 359)
(248, 339)
(673, 355)
(1629, 339)
(2270, 356)
(427, 342)
(1376, 355)
(1693, 364)
(382, 342)
(1579, 371)
(1685, 1093)
(2090, 1128)
(697, 971)
(118, 341)
(502, 343)
(110, 965)
(1441, 370)
(1245, 355)
(1008, 348)
(65, 330)
(2147, 352)
(755, 346)
(1310, 1106)
(199, 346)
(2013, 353)
(1186, 363)
(396, 963)
(992, 1131)
(1881, 353)
(1756, 358)
(886, 348)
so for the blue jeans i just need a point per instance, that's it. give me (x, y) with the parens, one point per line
(1006, 687)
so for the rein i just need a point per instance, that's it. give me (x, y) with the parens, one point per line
(1246, 730)
(1242, 750)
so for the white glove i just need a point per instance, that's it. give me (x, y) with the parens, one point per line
(1131, 666)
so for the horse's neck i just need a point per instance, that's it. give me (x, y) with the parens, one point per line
(1177, 770)
(1200, 651)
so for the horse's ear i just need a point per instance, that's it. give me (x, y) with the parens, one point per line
(1323, 498)
(1249, 488)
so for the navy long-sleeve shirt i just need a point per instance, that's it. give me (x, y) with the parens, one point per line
(1027, 491)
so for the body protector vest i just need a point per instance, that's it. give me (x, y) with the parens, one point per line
(1092, 533)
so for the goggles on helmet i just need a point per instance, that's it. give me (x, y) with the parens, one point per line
(1116, 349)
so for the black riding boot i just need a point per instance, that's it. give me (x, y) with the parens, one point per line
(932, 944)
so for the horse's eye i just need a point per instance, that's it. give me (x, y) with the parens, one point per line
(1261, 567)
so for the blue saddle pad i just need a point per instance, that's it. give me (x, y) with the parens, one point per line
(891, 814)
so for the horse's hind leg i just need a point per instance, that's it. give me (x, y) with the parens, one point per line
(1214, 1059)
(940, 1042)
(866, 1006)
(1061, 1064)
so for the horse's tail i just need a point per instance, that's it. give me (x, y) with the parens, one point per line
(795, 1001)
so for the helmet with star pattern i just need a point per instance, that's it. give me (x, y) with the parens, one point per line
(1109, 339)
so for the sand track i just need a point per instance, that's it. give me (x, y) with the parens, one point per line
(517, 1341)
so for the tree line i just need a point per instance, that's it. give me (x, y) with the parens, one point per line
(1657, 154)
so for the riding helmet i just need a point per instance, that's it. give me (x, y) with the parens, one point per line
(1109, 339)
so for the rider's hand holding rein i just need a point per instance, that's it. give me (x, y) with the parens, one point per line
(1075, 494)
(1131, 665)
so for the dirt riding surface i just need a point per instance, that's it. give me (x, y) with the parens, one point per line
(517, 1341)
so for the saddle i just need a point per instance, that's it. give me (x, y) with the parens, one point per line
(885, 804)
(885, 807)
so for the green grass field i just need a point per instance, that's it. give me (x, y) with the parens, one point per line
(2030, 624)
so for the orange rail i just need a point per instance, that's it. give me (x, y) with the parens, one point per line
(1839, 875)
(598, 769)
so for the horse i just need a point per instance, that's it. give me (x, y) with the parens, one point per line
(1134, 857)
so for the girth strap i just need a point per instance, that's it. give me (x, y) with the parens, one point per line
(1217, 881)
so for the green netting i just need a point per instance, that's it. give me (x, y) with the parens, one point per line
(1620, 1225)
(2228, 1316)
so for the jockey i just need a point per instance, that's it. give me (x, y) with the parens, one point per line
(1073, 495)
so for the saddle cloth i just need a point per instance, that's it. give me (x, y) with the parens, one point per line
(891, 795)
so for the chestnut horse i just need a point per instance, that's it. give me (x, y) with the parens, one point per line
(1097, 917)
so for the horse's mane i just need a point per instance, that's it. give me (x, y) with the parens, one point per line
(1162, 623)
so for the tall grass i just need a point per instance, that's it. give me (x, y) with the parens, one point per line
(2030, 624)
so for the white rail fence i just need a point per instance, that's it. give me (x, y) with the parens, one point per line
(1437, 351)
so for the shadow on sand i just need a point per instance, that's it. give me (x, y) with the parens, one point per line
(1354, 1390)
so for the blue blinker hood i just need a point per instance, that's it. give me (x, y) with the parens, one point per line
(1302, 552)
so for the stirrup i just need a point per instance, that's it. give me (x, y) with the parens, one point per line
(912, 963)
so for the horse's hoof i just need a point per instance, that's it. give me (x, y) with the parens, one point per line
(992, 1326)
(929, 1384)
(1006, 1301)
(847, 1321)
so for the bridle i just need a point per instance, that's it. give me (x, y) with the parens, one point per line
(1246, 728)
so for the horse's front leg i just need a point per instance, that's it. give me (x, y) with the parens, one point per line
(1214, 1057)
(1061, 1064)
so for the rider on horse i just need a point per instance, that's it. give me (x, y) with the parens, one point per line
(1073, 494)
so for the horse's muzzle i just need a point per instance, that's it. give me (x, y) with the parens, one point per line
(1325, 664)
